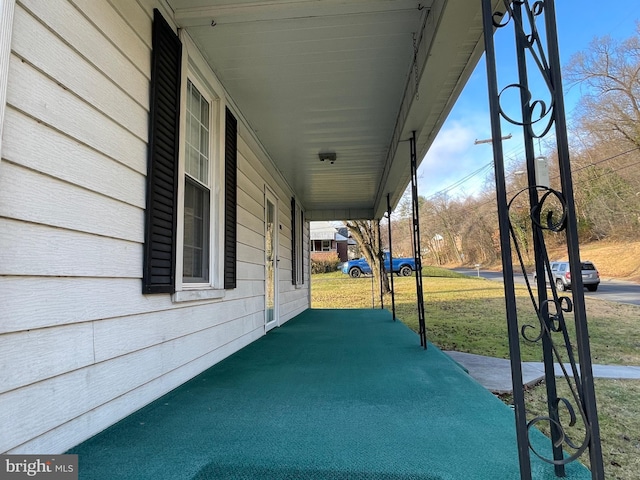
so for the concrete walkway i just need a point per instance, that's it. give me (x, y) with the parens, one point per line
(495, 373)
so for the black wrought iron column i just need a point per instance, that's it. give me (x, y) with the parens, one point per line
(552, 211)
(422, 329)
(393, 292)
(586, 389)
(505, 246)
(382, 271)
(547, 353)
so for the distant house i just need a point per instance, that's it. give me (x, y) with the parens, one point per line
(326, 237)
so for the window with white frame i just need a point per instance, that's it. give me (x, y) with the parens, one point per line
(197, 189)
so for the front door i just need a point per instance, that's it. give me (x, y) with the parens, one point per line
(271, 260)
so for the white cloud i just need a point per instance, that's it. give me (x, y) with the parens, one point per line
(453, 156)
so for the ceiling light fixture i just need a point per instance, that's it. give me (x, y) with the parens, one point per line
(328, 157)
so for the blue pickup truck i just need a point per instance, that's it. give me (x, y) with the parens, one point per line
(401, 266)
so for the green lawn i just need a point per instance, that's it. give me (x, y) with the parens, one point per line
(619, 417)
(467, 314)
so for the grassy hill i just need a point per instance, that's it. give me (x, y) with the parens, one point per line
(612, 259)
(618, 260)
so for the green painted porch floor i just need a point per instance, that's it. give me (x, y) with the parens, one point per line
(333, 394)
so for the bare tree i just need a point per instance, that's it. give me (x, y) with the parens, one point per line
(609, 72)
(606, 162)
(367, 234)
(478, 230)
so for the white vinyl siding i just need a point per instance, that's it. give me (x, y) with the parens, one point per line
(82, 347)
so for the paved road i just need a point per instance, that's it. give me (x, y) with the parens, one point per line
(609, 289)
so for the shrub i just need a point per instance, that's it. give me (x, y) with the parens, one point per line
(324, 262)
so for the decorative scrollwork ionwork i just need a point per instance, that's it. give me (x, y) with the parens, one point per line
(540, 111)
(549, 213)
(545, 207)
(564, 438)
(534, 103)
(551, 320)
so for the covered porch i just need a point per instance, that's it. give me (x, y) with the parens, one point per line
(333, 394)
(142, 268)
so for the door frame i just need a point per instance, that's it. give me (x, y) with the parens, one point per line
(270, 197)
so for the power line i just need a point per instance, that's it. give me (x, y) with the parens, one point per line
(510, 155)
(490, 164)
(475, 207)
(605, 160)
(616, 170)
(461, 181)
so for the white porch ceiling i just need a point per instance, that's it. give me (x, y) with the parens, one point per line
(315, 76)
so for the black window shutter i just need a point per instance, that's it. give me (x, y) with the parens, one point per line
(230, 199)
(302, 243)
(159, 268)
(294, 256)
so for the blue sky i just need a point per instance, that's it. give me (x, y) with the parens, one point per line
(579, 21)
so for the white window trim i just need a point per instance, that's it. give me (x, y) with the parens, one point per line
(196, 70)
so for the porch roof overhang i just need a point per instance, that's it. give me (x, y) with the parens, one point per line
(354, 79)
